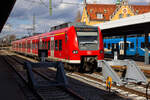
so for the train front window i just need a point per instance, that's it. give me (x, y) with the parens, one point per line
(88, 40)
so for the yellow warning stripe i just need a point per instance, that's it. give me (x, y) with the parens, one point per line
(59, 33)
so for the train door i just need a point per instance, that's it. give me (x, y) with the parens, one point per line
(26, 48)
(121, 48)
(21, 47)
(52, 46)
(48, 46)
(112, 49)
(117, 48)
(31, 46)
(40, 44)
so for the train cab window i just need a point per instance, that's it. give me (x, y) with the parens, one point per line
(132, 45)
(142, 45)
(49, 45)
(87, 38)
(60, 45)
(56, 45)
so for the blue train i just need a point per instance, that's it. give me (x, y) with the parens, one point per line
(135, 46)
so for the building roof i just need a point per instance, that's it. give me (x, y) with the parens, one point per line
(108, 9)
(141, 9)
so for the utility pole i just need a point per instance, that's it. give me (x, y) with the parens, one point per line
(50, 7)
(85, 2)
(33, 23)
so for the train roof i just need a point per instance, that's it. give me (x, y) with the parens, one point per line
(69, 24)
(60, 28)
(65, 25)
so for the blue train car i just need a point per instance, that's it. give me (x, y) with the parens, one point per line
(135, 45)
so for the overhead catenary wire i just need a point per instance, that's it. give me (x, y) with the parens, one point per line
(38, 2)
(70, 3)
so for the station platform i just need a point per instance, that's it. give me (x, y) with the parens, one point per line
(143, 66)
(9, 89)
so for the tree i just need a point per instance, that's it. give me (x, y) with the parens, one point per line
(12, 37)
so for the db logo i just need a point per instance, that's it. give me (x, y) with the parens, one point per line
(89, 52)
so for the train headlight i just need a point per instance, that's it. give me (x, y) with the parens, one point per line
(75, 52)
(101, 51)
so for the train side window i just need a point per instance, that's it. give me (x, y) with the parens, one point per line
(121, 47)
(142, 45)
(108, 46)
(19, 45)
(132, 45)
(105, 45)
(33, 45)
(45, 45)
(56, 45)
(60, 45)
(29, 45)
(127, 45)
(49, 45)
(42, 44)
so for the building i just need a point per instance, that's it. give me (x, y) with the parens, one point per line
(100, 13)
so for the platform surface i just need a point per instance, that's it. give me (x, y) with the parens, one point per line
(143, 66)
(9, 89)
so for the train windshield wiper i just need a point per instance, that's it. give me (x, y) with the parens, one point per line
(88, 42)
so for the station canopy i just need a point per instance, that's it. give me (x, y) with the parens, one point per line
(5, 9)
(133, 25)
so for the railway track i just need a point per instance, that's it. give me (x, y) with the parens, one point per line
(46, 92)
(131, 90)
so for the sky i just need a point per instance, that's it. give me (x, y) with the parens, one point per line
(21, 17)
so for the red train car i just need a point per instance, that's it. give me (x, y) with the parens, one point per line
(75, 45)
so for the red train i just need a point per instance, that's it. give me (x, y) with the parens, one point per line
(74, 44)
